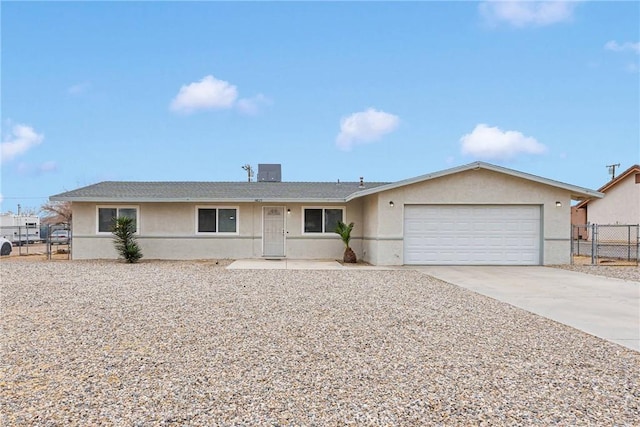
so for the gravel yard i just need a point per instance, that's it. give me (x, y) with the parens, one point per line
(624, 272)
(190, 343)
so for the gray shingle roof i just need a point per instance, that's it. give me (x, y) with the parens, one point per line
(129, 191)
(122, 191)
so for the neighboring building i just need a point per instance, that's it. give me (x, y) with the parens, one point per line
(20, 229)
(473, 214)
(579, 221)
(621, 204)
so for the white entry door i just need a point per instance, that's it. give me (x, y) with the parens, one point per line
(273, 232)
(472, 234)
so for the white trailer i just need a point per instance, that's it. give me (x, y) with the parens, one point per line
(19, 229)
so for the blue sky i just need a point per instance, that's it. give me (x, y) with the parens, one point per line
(191, 91)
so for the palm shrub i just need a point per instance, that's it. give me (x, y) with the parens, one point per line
(344, 231)
(124, 238)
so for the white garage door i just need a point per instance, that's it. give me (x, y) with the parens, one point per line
(472, 234)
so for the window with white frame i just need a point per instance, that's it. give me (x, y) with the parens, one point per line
(107, 216)
(322, 220)
(211, 219)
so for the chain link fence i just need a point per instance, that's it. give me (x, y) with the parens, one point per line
(597, 244)
(22, 237)
(58, 240)
(49, 240)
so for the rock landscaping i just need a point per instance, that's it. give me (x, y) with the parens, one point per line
(191, 343)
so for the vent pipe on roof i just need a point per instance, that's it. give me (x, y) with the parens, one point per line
(361, 182)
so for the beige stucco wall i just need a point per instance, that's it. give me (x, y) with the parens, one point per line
(369, 252)
(168, 231)
(470, 187)
(620, 205)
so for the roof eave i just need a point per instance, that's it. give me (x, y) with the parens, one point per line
(577, 193)
(633, 169)
(192, 200)
(584, 199)
(624, 175)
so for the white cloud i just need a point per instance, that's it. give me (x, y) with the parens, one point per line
(22, 138)
(208, 93)
(527, 13)
(494, 143)
(622, 47)
(252, 106)
(79, 89)
(365, 126)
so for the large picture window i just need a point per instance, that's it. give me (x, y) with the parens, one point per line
(322, 220)
(217, 220)
(108, 214)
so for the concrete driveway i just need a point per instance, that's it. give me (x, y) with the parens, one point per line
(605, 307)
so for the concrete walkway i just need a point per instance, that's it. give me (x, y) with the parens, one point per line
(297, 264)
(605, 307)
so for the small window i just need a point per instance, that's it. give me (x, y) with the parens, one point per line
(638, 178)
(227, 220)
(108, 215)
(207, 220)
(322, 220)
(313, 220)
(217, 220)
(331, 219)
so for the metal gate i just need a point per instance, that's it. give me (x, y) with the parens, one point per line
(597, 244)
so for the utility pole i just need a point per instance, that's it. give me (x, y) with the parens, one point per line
(249, 170)
(612, 170)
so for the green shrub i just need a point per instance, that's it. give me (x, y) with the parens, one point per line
(344, 231)
(124, 230)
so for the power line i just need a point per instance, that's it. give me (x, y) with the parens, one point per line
(21, 198)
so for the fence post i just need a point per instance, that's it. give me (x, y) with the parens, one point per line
(628, 243)
(48, 242)
(571, 243)
(593, 244)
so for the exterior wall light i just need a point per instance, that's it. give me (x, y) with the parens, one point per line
(391, 203)
(288, 211)
(559, 204)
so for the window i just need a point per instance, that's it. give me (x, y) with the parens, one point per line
(322, 220)
(107, 215)
(227, 220)
(217, 220)
(207, 219)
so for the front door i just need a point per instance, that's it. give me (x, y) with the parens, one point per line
(273, 232)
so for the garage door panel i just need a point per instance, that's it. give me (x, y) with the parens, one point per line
(474, 235)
